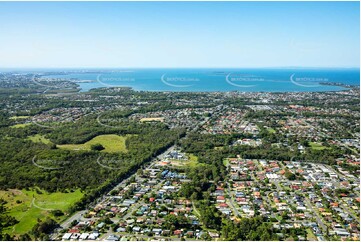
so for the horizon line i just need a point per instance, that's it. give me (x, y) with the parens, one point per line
(187, 67)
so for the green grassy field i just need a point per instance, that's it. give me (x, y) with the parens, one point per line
(310, 235)
(28, 206)
(16, 126)
(19, 117)
(39, 139)
(317, 146)
(111, 142)
(271, 130)
(193, 161)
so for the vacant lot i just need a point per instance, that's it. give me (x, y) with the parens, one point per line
(111, 142)
(152, 120)
(28, 206)
(191, 162)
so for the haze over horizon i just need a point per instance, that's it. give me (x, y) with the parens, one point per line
(180, 35)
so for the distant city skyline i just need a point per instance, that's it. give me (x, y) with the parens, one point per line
(179, 34)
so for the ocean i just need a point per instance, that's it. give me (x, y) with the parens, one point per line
(211, 80)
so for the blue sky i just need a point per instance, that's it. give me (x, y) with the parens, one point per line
(179, 34)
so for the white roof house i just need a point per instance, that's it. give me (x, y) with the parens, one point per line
(66, 236)
(84, 236)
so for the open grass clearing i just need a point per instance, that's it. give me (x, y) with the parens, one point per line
(159, 119)
(28, 206)
(191, 162)
(225, 162)
(310, 235)
(16, 126)
(19, 117)
(317, 146)
(112, 144)
(39, 139)
(271, 130)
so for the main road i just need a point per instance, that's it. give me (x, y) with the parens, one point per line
(318, 218)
